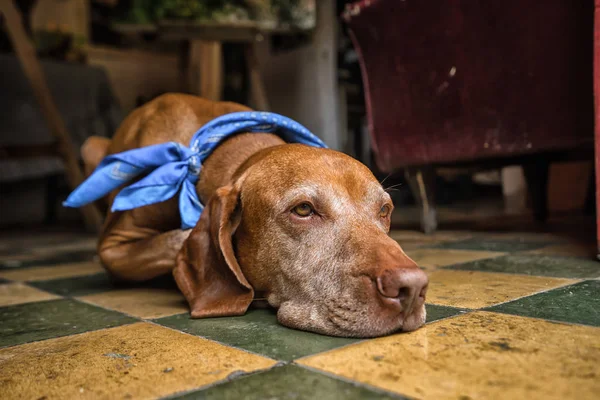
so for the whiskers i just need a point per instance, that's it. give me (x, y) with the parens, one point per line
(384, 179)
(393, 187)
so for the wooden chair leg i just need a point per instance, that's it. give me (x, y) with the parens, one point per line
(205, 69)
(536, 175)
(33, 71)
(422, 185)
(257, 84)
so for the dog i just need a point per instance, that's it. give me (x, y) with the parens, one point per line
(305, 228)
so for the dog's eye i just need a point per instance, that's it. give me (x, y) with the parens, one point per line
(303, 210)
(384, 211)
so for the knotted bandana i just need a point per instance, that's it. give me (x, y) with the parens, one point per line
(172, 167)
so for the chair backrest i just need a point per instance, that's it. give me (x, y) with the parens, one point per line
(461, 80)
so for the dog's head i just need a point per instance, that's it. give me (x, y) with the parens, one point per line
(307, 228)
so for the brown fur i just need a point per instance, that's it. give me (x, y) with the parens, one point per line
(335, 272)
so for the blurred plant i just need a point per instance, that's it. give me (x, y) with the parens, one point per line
(58, 42)
(285, 12)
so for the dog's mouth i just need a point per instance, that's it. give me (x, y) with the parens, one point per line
(355, 323)
(415, 320)
(344, 316)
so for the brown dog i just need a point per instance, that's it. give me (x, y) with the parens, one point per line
(304, 227)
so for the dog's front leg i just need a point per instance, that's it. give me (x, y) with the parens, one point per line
(141, 258)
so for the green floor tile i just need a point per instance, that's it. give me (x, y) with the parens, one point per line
(501, 245)
(30, 322)
(62, 258)
(287, 382)
(578, 303)
(257, 331)
(97, 283)
(435, 312)
(76, 286)
(540, 265)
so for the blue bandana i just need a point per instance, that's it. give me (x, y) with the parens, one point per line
(172, 167)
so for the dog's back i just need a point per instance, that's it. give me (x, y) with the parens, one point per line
(168, 118)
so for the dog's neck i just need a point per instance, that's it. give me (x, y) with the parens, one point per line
(230, 159)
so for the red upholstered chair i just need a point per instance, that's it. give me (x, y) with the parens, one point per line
(597, 113)
(490, 82)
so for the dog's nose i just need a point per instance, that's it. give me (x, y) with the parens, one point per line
(406, 286)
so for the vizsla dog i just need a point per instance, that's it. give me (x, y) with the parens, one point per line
(304, 227)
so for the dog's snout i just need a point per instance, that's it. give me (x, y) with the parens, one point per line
(403, 285)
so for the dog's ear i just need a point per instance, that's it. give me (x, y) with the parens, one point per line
(207, 271)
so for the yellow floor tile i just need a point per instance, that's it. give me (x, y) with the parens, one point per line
(567, 250)
(52, 272)
(19, 293)
(431, 259)
(141, 302)
(135, 361)
(474, 289)
(476, 356)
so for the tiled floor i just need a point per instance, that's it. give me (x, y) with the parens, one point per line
(509, 316)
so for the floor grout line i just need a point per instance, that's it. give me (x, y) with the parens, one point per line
(279, 363)
(71, 335)
(554, 321)
(212, 340)
(565, 284)
(450, 268)
(222, 382)
(353, 382)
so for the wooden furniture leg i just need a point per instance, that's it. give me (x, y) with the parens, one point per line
(257, 84)
(33, 71)
(422, 185)
(205, 69)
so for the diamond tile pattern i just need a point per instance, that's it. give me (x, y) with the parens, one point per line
(537, 265)
(508, 316)
(579, 303)
(477, 355)
(49, 319)
(288, 382)
(259, 332)
(137, 361)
